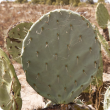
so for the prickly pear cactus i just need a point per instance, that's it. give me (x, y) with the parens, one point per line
(107, 99)
(14, 39)
(9, 85)
(102, 15)
(60, 55)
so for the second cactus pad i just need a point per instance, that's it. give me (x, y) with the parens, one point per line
(60, 55)
(15, 37)
(10, 98)
(102, 15)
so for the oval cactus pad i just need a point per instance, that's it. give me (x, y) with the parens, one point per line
(60, 55)
(102, 15)
(15, 37)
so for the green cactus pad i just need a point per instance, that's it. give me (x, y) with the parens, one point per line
(10, 87)
(102, 15)
(107, 99)
(60, 55)
(14, 39)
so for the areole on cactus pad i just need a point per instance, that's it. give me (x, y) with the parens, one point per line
(60, 55)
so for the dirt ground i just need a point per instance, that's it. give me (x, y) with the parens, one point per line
(11, 13)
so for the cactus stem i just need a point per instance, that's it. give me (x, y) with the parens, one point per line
(90, 49)
(46, 44)
(84, 72)
(80, 38)
(66, 68)
(37, 53)
(28, 63)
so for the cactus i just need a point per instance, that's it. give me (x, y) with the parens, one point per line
(107, 99)
(14, 39)
(102, 17)
(9, 85)
(61, 55)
